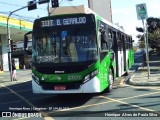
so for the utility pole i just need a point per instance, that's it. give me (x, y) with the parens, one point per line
(9, 37)
(142, 15)
(146, 45)
(147, 50)
(9, 40)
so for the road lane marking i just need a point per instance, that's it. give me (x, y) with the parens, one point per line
(29, 103)
(84, 106)
(99, 103)
(91, 105)
(16, 91)
(135, 96)
(136, 106)
(21, 97)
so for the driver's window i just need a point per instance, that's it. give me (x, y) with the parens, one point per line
(104, 44)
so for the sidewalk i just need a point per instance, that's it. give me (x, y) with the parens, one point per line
(22, 75)
(140, 77)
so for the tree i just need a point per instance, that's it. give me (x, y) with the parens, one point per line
(141, 44)
(153, 24)
(154, 33)
(154, 40)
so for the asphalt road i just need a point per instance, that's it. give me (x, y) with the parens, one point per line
(123, 98)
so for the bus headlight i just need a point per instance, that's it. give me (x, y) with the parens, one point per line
(35, 78)
(90, 75)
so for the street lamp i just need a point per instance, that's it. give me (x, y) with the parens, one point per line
(9, 38)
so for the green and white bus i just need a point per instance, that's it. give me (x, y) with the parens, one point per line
(78, 53)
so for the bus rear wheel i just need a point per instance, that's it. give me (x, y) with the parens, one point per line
(110, 81)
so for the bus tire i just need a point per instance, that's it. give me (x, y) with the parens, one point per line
(110, 81)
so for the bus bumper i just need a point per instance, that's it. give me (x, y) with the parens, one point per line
(92, 86)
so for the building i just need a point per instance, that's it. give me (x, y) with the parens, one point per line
(101, 7)
(17, 30)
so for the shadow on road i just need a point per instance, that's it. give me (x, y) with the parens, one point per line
(13, 93)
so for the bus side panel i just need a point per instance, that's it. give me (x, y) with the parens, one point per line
(130, 58)
(127, 60)
(124, 54)
(105, 66)
(120, 63)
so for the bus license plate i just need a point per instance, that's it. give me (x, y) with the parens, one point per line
(59, 87)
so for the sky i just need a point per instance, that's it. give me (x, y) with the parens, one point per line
(123, 11)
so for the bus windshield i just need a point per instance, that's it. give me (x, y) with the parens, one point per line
(64, 45)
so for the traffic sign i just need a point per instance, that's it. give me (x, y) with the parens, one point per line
(141, 11)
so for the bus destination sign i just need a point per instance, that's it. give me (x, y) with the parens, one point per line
(63, 21)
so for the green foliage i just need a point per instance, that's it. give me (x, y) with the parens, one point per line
(153, 35)
(154, 40)
(153, 24)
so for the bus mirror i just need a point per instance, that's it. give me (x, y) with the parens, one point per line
(25, 42)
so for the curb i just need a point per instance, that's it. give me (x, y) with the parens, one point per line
(143, 83)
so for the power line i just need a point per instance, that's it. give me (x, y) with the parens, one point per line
(18, 5)
(29, 18)
(10, 4)
(19, 16)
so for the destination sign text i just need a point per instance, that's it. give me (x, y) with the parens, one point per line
(64, 21)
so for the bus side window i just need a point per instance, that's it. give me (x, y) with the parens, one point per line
(111, 43)
(104, 44)
(119, 42)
